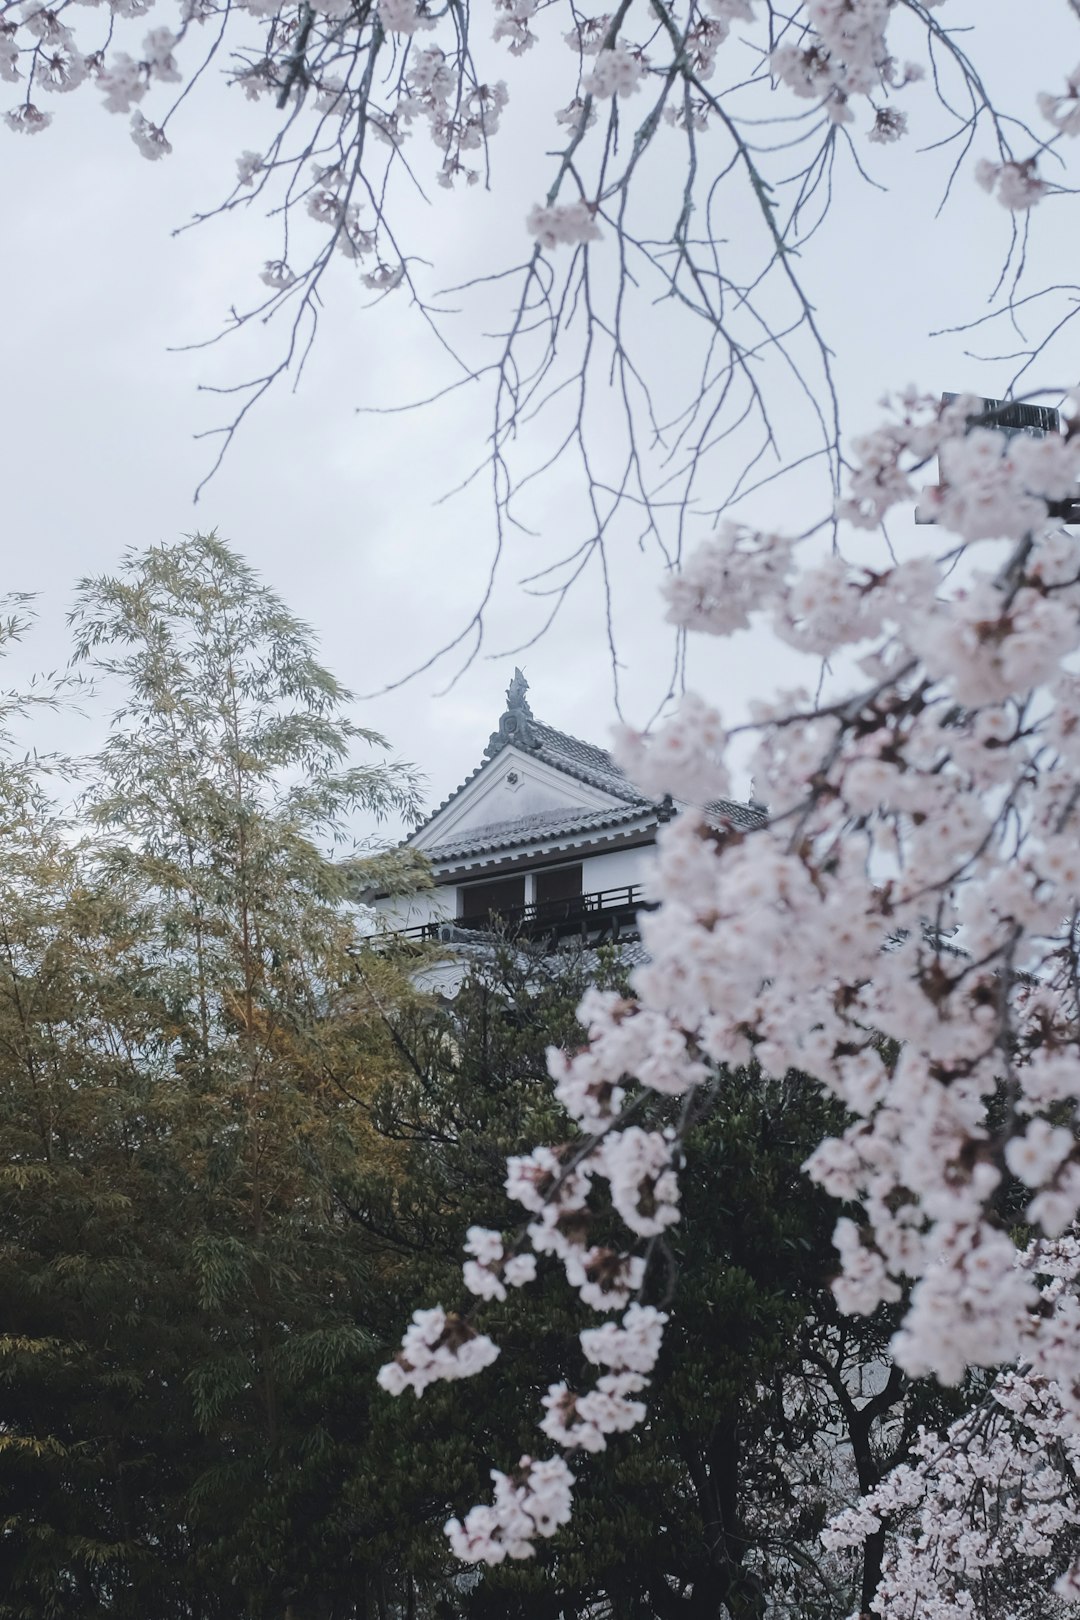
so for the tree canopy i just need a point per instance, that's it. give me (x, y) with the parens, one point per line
(239, 1143)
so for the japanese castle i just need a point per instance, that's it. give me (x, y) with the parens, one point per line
(547, 839)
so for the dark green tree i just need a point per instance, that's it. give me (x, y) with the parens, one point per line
(768, 1410)
(239, 1149)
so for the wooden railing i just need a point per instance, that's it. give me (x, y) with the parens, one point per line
(603, 914)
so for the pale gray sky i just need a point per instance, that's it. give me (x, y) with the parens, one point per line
(338, 510)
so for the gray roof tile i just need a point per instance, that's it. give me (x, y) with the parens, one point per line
(518, 727)
(583, 760)
(541, 824)
(740, 816)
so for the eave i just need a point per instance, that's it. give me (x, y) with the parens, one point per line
(546, 852)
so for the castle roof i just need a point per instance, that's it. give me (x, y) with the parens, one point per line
(596, 800)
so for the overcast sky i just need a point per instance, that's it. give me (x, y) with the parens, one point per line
(338, 509)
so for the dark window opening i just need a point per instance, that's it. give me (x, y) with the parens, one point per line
(482, 900)
(562, 883)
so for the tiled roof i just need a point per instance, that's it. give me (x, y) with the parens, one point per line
(582, 760)
(740, 816)
(632, 953)
(527, 829)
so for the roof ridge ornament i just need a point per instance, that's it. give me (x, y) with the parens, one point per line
(516, 701)
(514, 723)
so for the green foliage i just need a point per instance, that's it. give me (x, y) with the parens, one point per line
(185, 1058)
(762, 1420)
(238, 1150)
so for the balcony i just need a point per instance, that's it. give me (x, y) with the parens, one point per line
(601, 918)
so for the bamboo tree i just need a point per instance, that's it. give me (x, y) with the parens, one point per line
(228, 787)
(88, 1275)
(184, 1061)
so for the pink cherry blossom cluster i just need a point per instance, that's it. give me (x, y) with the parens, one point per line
(558, 1189)
(374, 74)
(843, 53)
(629, 1353)
(986, 1511)
(437, 1347)
(689, 749)
(905, 927)
(534, 1501)
(492, 1270)
(1064, 111)
(726, 578)
(1015, 185)
(617, 71)
(562, 222)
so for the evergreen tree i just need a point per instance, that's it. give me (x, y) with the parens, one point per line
(769, 1409)
(238, 1148)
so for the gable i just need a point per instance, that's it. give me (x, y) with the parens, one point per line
(542, 797)
(514, 786)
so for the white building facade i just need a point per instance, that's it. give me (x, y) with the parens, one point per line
(546, 839)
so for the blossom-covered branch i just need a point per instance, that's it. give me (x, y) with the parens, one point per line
(659, 123)
(903, 926)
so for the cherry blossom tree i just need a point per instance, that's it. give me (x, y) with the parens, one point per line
(661, 170)
(905, 927)
(984, 1507)
(905, 924)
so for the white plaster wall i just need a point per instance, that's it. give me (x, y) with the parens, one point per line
(616, 869)
(410, 911)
